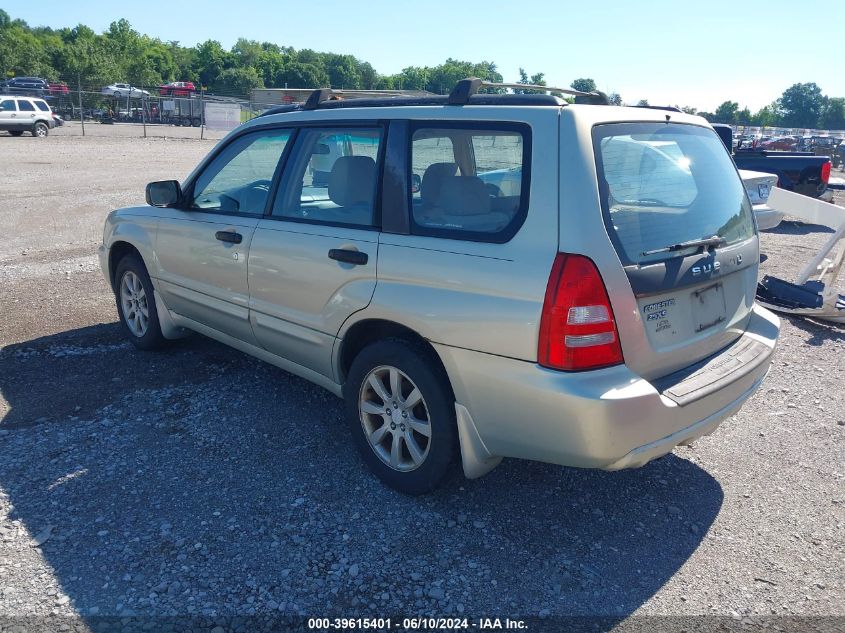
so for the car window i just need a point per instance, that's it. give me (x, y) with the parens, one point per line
(469, 183)
(666, 184)
(238, 180)
(26, 106)
(8, 105)
(42, 106)
(333, 177)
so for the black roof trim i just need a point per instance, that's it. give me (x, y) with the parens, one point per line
(435, 100)
(651, 107)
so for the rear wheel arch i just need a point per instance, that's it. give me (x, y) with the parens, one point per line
(369, 331)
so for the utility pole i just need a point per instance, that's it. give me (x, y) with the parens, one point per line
(202, 113)
(81, 111)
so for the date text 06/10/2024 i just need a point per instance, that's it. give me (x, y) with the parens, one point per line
(421, 624)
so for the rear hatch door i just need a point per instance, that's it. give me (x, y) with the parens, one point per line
(679, 218)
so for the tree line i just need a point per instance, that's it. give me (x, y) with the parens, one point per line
(122, 54)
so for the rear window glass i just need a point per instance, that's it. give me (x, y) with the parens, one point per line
(469, 181)
(25, 106)
(662, 185)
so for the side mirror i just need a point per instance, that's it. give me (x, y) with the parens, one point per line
(163, 193)
(322, 148)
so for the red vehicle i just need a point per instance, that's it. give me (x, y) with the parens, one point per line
(59, 88)
(177, 89)
(786, 143)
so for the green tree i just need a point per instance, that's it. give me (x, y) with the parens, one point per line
(584, 85)
(299, 75)
(342, 71)
(767, 116)
(726, 112)
(238, 81)
(210, 61)
(833, 114)
(615, 98)
(537, 79)
(802, 105)
(643, 103)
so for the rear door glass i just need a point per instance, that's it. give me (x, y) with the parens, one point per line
(469, 181)
(665, 184)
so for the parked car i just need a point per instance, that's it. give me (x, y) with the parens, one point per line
(598, 322)
(58, 89)
(34, 86)
(25, 114)
(786, 143)
(124, 90)
(801, 172)
(839, 155)
(177, 89)
(759, 185)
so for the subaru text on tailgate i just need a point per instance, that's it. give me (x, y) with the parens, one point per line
(479, 276)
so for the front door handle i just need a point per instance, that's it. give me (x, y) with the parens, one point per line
(229, 236)
(350, 257)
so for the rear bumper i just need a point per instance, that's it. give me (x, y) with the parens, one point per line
(767, 218)
(609, 418)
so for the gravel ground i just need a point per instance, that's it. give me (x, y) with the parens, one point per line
(201, 482)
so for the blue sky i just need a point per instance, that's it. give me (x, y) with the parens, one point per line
(680, 52)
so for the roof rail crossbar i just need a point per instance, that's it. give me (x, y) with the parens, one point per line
(465, 88)
(316, 97)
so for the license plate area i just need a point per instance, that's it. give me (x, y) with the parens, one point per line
(708, 306)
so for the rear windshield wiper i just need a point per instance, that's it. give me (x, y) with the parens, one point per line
(704, 242)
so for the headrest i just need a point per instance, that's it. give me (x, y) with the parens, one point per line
(432, 181)
(352, 180)
(464, 195)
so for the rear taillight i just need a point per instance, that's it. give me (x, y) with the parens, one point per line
(826, 172)
(577, 328)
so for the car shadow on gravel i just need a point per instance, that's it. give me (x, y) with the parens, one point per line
(820, 331)
(200, 482)
(796, 227)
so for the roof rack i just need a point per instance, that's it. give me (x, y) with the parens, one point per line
(465, 88)
(465, 92)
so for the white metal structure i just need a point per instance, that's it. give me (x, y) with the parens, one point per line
(825, 265)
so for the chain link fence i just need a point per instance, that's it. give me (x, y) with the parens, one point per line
(121, 110)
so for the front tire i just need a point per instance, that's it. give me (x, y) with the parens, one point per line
(401, 412)
(40, 130)
(136, 304)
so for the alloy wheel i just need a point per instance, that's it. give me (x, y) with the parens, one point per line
(395, 418)
(133, 300)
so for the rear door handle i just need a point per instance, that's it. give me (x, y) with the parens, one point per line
(350, 257)
(229, 236)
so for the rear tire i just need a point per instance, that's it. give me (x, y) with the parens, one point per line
(412, 447)
(40, 130)
(136, 305)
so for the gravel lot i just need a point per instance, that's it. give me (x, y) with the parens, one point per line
(201, 482)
